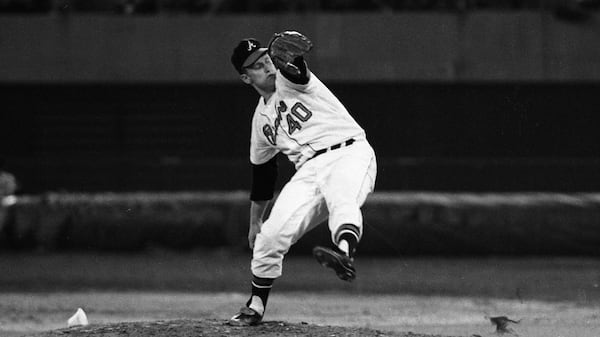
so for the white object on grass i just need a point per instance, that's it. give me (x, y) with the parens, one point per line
(79, 318)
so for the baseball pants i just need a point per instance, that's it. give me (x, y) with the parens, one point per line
(331, 186)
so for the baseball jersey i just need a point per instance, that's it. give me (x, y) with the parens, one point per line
(298, 120)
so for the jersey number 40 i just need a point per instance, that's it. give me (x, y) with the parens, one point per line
(299, 111)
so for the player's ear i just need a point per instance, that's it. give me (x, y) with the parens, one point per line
(245, 78)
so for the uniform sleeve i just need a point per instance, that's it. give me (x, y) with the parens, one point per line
(301, 78)
(261, 148)
(264, 177)
(287, 82)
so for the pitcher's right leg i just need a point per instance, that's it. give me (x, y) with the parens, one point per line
(298, 209)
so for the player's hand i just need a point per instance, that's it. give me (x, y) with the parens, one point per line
(252, 232)
(285, 47)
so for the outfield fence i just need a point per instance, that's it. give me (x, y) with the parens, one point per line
(396, 223)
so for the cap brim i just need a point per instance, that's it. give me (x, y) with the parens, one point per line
(254, 56)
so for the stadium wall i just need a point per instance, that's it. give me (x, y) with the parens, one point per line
(396, 224)
(480, 101)
(472, 46)
(182, 137)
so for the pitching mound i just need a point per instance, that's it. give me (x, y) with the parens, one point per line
(213, 327)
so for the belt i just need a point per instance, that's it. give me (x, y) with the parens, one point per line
(334, 147)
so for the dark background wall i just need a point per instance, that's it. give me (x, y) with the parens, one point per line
(455, 100)
(428, 136)
(483, 100)
(492, 45)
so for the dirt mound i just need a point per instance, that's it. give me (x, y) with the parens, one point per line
(213, 327)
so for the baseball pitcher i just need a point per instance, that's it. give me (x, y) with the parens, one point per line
(298, 116)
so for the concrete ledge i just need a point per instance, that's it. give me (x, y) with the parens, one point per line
(396, 223)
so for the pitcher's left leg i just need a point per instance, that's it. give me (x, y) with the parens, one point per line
(350, 178)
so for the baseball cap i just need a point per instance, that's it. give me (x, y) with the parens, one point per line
(246, 53)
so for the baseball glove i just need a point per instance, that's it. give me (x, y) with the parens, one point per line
(285, 47)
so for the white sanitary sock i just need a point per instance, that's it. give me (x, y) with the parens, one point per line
(257, 305)
(344, 247)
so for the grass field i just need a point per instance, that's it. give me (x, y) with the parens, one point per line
(552, 296)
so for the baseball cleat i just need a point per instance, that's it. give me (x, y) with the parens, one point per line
(246, 317)
(340, 263)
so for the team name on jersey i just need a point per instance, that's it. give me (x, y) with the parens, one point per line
(297, 115)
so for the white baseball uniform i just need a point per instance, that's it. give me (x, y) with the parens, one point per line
(299, 120)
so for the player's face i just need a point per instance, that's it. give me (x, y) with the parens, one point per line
(262, 73)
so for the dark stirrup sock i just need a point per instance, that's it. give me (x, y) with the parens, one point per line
(261, 288)
(349, 233)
